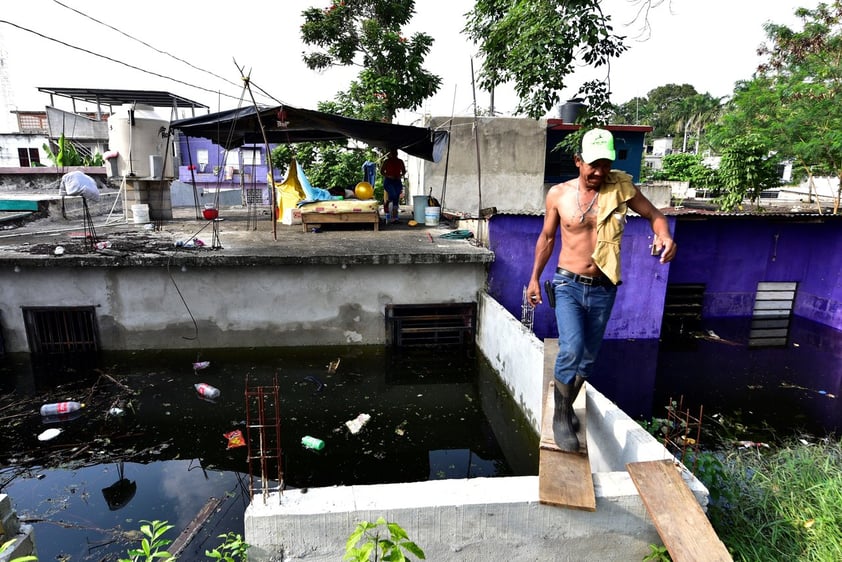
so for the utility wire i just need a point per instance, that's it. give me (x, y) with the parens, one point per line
(147, 44)
(133, 67)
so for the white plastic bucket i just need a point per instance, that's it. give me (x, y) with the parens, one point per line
(140, 214)
(432, 215)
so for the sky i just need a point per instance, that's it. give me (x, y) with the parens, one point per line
(196, 50)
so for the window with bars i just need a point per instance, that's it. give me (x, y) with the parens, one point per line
(28, 157)
(32, 123)
(61, 329)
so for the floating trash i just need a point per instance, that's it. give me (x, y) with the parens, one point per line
(48, 434)
(356, 424)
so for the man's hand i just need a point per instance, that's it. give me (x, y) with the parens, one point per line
(533, 293)
(665, 247)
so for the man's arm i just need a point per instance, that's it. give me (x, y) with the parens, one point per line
(663, 239)
(543, 247)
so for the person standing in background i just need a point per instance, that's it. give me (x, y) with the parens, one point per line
(393, 171)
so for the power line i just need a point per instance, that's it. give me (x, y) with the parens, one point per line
(111, 59)
(146, 44)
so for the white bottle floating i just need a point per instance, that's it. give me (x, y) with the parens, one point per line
(207, 391)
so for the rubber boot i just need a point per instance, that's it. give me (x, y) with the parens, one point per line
(563, 432)
(577, 386)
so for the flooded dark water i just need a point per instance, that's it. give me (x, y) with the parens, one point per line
(433, 415)
(755, 393)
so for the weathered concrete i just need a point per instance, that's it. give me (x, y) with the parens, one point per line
(484, 518)
(11, 529)
(511, 157)
(327, 288)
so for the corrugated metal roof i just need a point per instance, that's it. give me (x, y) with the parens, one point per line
(105, 96)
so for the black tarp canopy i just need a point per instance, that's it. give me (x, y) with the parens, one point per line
(285, 124)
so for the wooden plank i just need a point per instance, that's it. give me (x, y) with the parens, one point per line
(189, 532)
(564, 479)
(308, 219)
(678, 517)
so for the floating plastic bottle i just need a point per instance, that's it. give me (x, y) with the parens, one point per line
(312, 443)
(60, 408)
(207, 391)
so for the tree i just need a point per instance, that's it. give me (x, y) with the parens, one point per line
(746, 169)
(792, 103)
(367, 33)
(536, 45)
(695, 114)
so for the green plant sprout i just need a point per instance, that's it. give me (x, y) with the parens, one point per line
(390, 549)
(152, 546)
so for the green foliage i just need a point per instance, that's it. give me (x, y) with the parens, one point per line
(367, 33)
(537, 44)
(232, 549)
(657, 553)
(746, 169)
(678, 166)
(67, 154)
(781, 503)
(791, 103)
(153, 545)
(380, 548)
(329, 165)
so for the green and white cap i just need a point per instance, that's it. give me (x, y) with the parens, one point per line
(597, 144)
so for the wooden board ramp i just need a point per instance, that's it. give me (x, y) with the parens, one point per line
(678, 517)
(190, 532)
(564, 479)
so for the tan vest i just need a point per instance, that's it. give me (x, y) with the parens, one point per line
(617, 189)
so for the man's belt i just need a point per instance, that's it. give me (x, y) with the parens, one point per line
(600, 281)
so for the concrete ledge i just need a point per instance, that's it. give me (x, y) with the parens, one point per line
(479, 519)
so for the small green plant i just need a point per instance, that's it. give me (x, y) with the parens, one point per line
(657, 553)
(380, 549)
(152, 546)
(232, 549)
(8, 544)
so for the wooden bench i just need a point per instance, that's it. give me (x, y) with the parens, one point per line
(310, 220)
(678, 517)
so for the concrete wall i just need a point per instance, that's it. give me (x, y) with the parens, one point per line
(484, 518)
(511, 164)
(10, 142)
(11, 529)
(296, 304)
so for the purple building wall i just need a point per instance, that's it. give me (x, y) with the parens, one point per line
(640, 300)
(729, 255)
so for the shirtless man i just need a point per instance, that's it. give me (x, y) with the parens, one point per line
(590, 210)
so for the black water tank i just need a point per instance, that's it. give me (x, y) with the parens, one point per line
(570, 110)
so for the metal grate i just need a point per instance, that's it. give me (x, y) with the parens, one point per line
(683, 309)
(263, 438)
(61, 329)
(770, 319)
(445, 324)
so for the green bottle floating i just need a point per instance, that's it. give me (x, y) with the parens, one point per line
(312, 443)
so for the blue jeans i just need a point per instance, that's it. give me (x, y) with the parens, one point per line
(582, 313)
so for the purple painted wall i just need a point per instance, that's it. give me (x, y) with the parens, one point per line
(640, 300)
(729, 255)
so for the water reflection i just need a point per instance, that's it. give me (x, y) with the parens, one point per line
(770, 391)
(432, 416)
